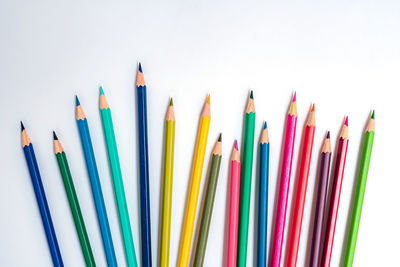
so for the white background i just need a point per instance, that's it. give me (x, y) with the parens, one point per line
(342, 56)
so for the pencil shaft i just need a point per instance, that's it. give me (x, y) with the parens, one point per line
(263, 205)
(207, 211)
(233, 214)
(118, 187)
(43, 205)
(144, 176)
(322, 180)
(245, 188)
(97, 192)
(167, 194)
(283, 192)
(359, 198)
(75, 209)
(300, 195)
(334, 202)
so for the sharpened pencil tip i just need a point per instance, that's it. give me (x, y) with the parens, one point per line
(236, 145)
(220, 137)
(22, 126)
(346, 122)
(328, 135)
(208, 99)
(101, 90)
(140, 67)
(265, 125)
(373, 114)
(294, 97)
(55, 136)
(313, 107)
(77, 101)
(171, 103)
(251, 94)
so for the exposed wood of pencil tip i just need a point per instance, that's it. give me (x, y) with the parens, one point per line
(326, 146)
(206, 109)
(170, 112)
(79, 114)
(371, 123)
(57, 145)
(264, 135)
(235, 153)
(311, 116)
(293, 106)
(103, 100)
(25, 140)
(139, 77)
(218, 146)
(344, 133)
(250, 104)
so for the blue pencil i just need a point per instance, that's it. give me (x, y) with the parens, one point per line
(95, 184)
(143, 168)
(263, 198)
(41, 198)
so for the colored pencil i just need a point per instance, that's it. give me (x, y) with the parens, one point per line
(301, 189)
(97, 193)
(198, 161)
(208, 204)
(41, 199)
(143, 168)
(245, 187)
(116, 174)
(168, 181)
(283, 192)
(263, 198)
(360, 190)
(335, 195)
(233, 207)
(73, 202)
(323, 177)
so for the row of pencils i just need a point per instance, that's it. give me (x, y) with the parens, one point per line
(322, 237)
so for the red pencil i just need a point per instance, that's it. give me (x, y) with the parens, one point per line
(335, 195)
(301, 190)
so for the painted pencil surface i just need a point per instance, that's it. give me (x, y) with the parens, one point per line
(118, 183)
(41, 199)
(141, 93)
(73, 202)
(95, 184)
(245, 186)
(233, 207)
(335, 195)
(198, 161)
(263, 198)
(301, 189)
(360, 191)
(168, 181)
(322, 181)
(283, 193)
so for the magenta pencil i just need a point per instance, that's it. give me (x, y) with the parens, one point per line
(280, 217)
(233, 208)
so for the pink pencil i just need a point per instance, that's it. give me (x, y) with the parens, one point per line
(233, 208)
(275, 258)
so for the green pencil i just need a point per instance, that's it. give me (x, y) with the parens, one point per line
(245, 187)
(208, 204)
(73, 202)
(117, 180)
(360, 190)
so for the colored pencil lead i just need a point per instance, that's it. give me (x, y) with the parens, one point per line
(22, 126)
(77, 101)
(294, 97)
(265, 125)
(373, 115)
(171, 103)
(220, 137)
(101, 90)
(251, 94)
(236, 145)
(346, 122)
(208, 99)
(140, 67)
(55, 136)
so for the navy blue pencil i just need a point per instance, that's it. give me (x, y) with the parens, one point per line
(143, 168)
(41, 198)
(95, 184)
(263, 198)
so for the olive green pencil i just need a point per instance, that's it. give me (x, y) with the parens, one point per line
(73, 202)
(208, 204)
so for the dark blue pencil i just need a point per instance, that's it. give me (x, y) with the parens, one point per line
(143, 168)
(95, 184)
(263, 198)
(41, 198)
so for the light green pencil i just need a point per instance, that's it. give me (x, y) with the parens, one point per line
(117, 180)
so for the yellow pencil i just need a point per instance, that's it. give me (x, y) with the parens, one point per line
(201, 143)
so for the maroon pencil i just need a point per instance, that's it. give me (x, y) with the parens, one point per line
(323, 176)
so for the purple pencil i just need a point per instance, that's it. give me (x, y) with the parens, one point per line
(323, 175)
